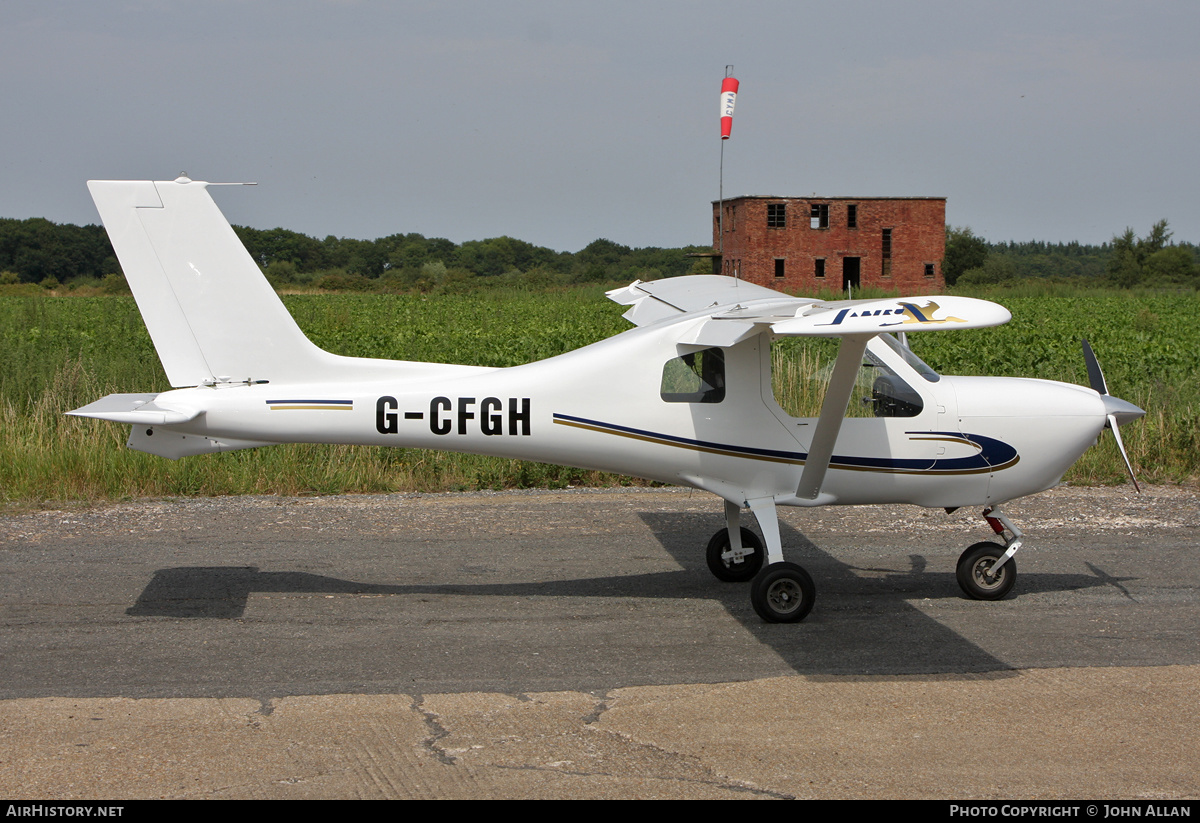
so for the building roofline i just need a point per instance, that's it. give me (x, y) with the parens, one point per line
(816, 197)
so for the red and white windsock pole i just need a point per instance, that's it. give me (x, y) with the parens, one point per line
(729, 89)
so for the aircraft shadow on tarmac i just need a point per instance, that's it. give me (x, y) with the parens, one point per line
(863, 623)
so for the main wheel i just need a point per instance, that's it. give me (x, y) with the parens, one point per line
(783, 593)
(975, 572)
(729, 570)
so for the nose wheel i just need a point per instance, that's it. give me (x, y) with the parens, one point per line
(979, 576)
(987, 571)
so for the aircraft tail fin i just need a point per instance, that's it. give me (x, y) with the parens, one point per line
(210, 312)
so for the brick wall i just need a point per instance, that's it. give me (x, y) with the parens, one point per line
(771, 241)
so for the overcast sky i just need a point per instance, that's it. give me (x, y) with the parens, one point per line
(561, 122)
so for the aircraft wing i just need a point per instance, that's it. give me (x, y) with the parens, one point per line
(740, 309)
(660, 299)
(872, 317)
(748, 310)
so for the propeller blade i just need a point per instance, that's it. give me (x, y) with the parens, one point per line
(1095, 375)
(1116, 430)
(1116, 410)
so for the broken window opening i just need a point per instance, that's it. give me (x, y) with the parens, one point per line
(819, 216)
(887, 252)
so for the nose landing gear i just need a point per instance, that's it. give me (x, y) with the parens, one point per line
(987, 571)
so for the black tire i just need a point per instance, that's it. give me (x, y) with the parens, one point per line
(734, 572)
(973, 572)
(783, 593)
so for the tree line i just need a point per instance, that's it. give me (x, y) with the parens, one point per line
(1128, 261)
(37, 250)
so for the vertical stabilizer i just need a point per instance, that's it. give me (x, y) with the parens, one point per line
(210, 312)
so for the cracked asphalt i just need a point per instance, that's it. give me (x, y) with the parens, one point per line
(573, 644)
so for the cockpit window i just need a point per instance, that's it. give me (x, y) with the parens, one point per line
(890, 395)
(922, 368)
(698, 377)
(801, 369)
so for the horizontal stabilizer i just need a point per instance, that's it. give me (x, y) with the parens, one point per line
(151, 431)
(138, 409)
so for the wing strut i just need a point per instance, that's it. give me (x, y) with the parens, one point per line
(833, 412)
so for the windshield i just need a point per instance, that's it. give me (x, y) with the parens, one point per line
(922, 368)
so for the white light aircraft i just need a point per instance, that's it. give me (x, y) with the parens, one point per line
(685, 398)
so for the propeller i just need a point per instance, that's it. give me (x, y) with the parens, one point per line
(1117, 412)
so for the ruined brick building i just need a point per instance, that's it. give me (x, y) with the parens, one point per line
(803, 244)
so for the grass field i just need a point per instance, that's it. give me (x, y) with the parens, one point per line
(64, 352)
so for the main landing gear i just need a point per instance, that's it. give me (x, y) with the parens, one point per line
(780, 593)
(987, 571)
(783, 593)
(734, 565)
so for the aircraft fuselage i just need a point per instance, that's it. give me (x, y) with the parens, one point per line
(975, 440)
